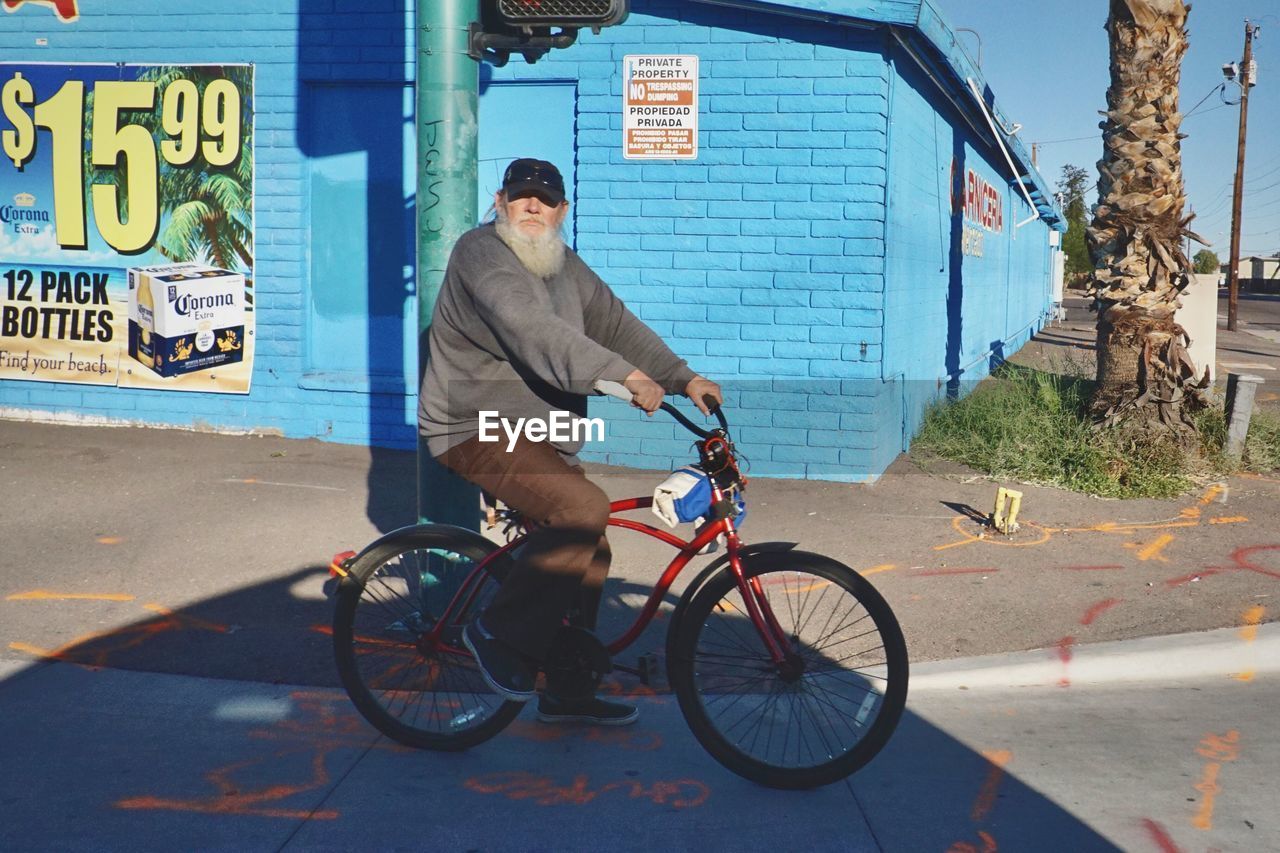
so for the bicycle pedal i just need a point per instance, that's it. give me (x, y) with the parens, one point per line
(653, 671)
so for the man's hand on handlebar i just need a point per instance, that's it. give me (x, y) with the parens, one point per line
(645, 393)
(699, 387)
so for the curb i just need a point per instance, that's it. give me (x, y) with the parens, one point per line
(1239, 653)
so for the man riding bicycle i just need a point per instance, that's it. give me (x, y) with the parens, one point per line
(522, 327)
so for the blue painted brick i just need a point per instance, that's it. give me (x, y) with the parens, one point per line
(765, 226)
(796, 298)
(742, 139)
(720, 278)
(672, 207)
(781, 470)
(710, 295)
(710, 227)
(815, 104)
(764, 85)
(842, 156)
(703, 261)
(812, 246)
(844, 369)
(776, 263)
(636, 189)
(864, 247)
(848, 300)
(808, 317)
(740, 244)
(771, 400)
(780, 50)
(733, 312)
(674, 242)
(810, 139)
(641, 259)
(777, 121)
(853, 264)
(749, 68)
(808, 211)
(811, 175)
(863, 282)
(623, 225)
(807, 281)
(776, 157)
(775, 332)
(743, 104)
(775, 192)
(739, 348)
(743, 175)
(787, 453)
(674, 278)
(710, 192)
(796, 349)
(773, 435)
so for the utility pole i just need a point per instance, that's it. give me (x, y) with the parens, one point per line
(1233, 272)
(447, 83)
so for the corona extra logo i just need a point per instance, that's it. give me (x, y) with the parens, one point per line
(24, 200)
(66, 10)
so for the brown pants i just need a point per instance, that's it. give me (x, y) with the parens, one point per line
(564, 562)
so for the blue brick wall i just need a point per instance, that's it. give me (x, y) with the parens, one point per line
(761, 261)
(764, 262)
(950, 315)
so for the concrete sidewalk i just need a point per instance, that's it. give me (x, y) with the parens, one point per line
(106, 760)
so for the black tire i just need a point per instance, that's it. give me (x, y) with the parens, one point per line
(395, 592)
(826, 717)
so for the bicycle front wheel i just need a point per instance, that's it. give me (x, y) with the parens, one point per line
(823, 713)
(397, 635)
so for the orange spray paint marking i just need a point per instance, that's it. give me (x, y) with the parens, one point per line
(46, 595)
(988, 845)
(1228, 519)
(109, 540)
(1249, 633)
(231, 801)
(543, 790)
(875, 570)
(1218, 749)
(986, 800)
(1098, 609)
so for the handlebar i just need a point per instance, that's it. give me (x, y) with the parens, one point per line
(618, 390)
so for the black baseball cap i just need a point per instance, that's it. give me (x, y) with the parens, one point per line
(539, 177)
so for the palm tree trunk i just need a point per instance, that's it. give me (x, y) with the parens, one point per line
(1144, 373)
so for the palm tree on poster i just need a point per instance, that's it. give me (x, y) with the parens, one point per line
(1145, 377)
(206, 211)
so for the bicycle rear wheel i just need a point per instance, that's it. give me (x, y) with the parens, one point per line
(828, 709)
(420, 691)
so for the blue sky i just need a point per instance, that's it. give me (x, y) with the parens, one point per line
(1047, 62)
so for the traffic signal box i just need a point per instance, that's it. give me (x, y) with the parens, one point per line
(533, 27)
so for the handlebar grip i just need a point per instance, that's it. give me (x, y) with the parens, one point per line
(613, 389)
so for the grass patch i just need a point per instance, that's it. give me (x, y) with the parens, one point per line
(1032, 426)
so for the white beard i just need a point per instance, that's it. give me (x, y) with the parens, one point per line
(542, 255)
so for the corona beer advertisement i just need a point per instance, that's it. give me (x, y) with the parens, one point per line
(126, 225)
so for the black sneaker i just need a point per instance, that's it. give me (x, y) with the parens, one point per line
(592, 709)
(502, 666)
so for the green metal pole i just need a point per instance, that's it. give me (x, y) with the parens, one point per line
(447, 86)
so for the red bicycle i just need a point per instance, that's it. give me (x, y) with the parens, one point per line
(789, 667)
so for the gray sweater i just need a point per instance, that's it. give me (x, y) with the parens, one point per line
(503, 339)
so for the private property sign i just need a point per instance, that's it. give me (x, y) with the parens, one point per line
(660, 107)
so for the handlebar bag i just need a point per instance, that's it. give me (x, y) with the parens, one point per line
(684, 496)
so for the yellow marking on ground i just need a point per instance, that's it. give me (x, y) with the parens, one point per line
(1211, 494)
(109, 540)
(1151, 551)
(875, 570)
(1245, 676)
(1252, 619)
(184, 617)
(1228, 519)
(47, 595)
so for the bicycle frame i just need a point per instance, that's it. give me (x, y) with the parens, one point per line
(758, 608)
